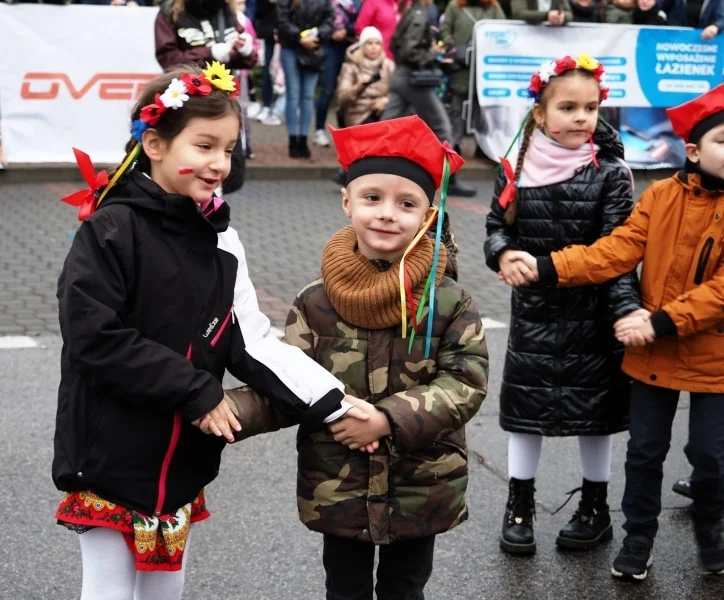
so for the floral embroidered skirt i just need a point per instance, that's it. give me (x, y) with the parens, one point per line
(158, 543)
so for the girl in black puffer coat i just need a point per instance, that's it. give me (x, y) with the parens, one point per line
(562, 372)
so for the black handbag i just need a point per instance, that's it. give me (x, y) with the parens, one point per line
(310, 60)
(429, 77)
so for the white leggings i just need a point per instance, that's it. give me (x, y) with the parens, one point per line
(109, 571)
(524, 454)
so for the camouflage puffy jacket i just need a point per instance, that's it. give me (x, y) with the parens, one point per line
(414, 485)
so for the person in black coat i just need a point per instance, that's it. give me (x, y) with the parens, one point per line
(303, 27)
(562, 372)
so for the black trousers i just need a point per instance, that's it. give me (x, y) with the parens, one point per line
(652, 414)
(404, 568)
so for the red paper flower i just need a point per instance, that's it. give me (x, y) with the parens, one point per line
(565, 64)
(151, 113)
(598, 72)
(237, 88)
(604, 93)
(196, 84)
(535, 84)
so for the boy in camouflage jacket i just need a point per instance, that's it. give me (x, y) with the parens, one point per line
(399, 478)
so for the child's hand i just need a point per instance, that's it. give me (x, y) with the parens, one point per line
(517, 268)
(220, 421)
(360, 409)
(635, 329)
(357, 434)
(244, 44)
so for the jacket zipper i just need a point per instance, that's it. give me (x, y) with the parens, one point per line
(224, 324)
(703, 259)
(175, 434)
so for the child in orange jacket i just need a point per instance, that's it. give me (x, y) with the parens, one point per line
(677, 230)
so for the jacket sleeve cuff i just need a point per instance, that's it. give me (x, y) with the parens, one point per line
(663, 324)
(206, 401)
(547, 274)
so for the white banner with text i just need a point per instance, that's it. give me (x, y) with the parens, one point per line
(70, 77)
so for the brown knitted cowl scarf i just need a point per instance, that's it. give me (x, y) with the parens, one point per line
(364, 296)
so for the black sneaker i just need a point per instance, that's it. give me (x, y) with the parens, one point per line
(711, 548)
(683, 487)
(634, 559)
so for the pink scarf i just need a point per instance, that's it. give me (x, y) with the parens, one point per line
(547, 162)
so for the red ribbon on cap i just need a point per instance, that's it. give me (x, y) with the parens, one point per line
(85, 199)
(508, 193)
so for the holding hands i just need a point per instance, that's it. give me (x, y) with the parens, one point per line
(359, 434)
(220, 421)
(635, 329)
(517, 268)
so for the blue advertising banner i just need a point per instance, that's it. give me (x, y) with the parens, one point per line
(647, 68)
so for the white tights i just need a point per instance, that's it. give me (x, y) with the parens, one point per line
(524, 453)
(109, 571)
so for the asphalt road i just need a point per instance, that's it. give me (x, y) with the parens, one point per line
(254, 547)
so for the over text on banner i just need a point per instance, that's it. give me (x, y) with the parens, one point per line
(645, 66)
(76, 83)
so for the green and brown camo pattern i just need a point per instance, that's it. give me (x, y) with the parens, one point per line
(414, 485)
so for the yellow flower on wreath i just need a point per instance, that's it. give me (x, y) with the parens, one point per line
(220, 77)
(587, 62)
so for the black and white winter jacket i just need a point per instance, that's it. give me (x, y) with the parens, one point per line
(155, 304)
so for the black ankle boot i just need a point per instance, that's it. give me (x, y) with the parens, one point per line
(591, 523)
(709, 532)
(303, 148)
(517, 536)
(710, 540)
(293, 146)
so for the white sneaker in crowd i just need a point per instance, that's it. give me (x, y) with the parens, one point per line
(320, 138)
(253, 110)
(272, 119)
(263, 114)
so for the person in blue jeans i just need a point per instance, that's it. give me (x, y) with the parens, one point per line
(335, 51)
(303, 27)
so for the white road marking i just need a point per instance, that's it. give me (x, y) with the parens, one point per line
(11, 342)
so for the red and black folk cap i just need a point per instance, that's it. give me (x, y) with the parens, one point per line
(406, 147)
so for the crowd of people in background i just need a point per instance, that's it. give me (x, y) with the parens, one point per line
(368, 59)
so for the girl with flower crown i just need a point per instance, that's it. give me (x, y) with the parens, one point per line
(155, 304)
(561, 375)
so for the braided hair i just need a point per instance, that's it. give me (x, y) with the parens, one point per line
(528, 129)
